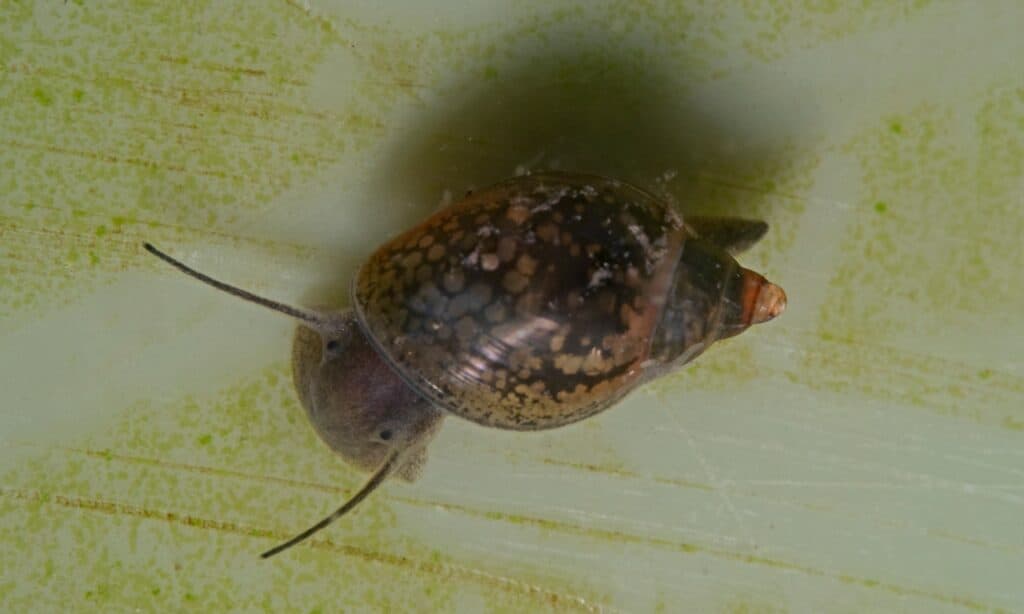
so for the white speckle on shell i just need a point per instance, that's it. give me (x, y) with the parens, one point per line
(598, 277)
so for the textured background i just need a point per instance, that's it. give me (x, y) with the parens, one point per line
(864, 452)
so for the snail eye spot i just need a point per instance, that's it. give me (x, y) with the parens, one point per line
(385, 434)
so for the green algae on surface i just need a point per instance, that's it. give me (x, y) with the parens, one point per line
(205, 507)
(922, 300)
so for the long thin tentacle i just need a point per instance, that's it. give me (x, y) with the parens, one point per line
(313, 318)
(375, 480)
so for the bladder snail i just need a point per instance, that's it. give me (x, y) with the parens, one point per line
(529, 305)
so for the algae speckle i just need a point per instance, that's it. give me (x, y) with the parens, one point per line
(42, 96)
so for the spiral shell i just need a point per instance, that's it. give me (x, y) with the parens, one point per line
(528, 305)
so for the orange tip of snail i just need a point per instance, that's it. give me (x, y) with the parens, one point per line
(770, 302)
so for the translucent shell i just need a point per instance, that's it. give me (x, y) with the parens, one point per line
(528, 305)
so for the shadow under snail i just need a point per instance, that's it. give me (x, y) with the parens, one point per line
(528, 305)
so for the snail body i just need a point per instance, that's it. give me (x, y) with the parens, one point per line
(528, 305)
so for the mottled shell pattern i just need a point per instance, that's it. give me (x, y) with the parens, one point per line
(528, 305)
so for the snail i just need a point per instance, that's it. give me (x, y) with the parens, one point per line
(528, 305)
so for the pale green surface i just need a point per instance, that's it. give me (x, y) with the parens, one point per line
(864, 452)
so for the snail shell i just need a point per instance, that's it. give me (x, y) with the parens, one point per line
(543, 300)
